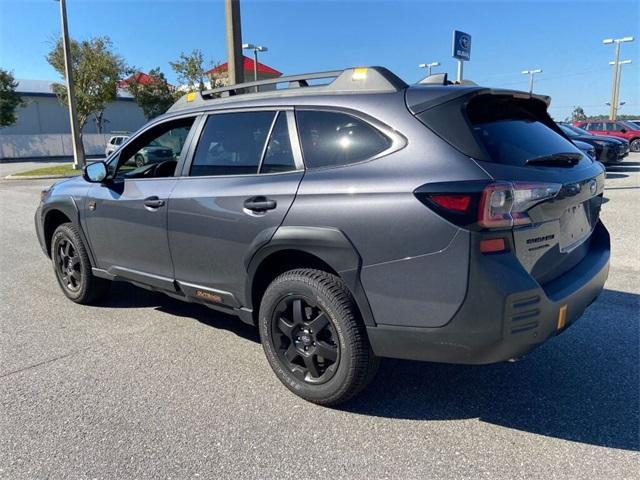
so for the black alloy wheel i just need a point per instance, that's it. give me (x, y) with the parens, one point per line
(305, 338)
(67, 261)
(72, 266)
(314, 337)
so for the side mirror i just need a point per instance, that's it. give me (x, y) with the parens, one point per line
(95, 172)
(624, 130)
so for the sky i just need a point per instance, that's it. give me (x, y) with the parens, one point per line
(564, 38)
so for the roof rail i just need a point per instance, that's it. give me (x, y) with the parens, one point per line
(352, 80)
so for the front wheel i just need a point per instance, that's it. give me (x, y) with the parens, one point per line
(314, 338)
(635, 145)
(72, 267)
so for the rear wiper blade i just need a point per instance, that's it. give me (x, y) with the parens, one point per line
(562, 159)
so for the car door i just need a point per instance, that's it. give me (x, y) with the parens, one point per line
(234, 194)
(598, 128)
(126, 217)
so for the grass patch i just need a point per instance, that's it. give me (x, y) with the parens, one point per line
(66, 169)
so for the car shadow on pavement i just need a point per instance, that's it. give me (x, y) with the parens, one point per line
(616, 175)
(124, 295)
(624, 167)
(581, 386)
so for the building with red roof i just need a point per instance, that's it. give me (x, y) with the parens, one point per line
(264, 71)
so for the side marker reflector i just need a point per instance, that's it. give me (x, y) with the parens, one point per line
(492, 245)
(191, 96)
(562, 317)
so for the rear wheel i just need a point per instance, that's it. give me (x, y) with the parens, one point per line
(72, 267)
(634, 146)
(313, 337)
(139, 159)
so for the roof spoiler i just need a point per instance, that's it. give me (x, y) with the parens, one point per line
(442, 79)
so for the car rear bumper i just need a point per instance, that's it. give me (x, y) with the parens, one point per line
(506, 313)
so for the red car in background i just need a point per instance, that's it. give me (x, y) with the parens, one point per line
(614, 128)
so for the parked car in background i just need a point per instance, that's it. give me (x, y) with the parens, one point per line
(586, 148)
(113, 144)
(608, 150)
(356, 219)
(635, 121)
(155, 152)
(618, 128)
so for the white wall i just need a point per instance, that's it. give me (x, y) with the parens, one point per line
(44, 114)
(49, 145)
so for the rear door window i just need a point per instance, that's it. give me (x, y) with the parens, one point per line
(332, 139)
(279, 156)
(232, 144)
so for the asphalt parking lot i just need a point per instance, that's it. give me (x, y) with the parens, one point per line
(148, 387)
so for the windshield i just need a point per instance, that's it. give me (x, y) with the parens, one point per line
(576, 130)
(568, 131)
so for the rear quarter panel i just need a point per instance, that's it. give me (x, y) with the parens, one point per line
(414, 263)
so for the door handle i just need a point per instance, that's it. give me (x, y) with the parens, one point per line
(259, 204)
(153, 202)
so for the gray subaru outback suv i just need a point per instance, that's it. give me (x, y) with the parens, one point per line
(350, 217)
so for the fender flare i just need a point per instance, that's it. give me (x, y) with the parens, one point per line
(68, 206)
(328, 244)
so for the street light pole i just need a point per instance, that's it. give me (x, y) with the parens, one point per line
(256, 49)
(429, 66)
(618, 75)
(613, 110)
(531, 73)
(78, 149)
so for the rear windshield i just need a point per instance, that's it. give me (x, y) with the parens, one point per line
(512, 132)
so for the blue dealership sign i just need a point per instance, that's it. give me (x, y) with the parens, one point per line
(461, 45)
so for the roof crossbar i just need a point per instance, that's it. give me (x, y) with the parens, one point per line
(352, 80)
(248, 86)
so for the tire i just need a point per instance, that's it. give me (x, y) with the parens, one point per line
(72, 267)
(139, 159)
(635, 145)
(321, 300)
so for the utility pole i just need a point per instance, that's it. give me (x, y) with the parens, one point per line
(613, 109)
(429, 66)
(78, 149)
(531, 73)
(618, 75)
(235, 64)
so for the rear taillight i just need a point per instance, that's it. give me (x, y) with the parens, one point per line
(486, 205)
(505, 204)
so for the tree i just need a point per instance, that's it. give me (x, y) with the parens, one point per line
(154, 95)
(96, 72)
(217, 77)
(578, 115)
(10, 100)
(190, 70)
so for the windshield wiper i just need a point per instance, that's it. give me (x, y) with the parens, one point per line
(566, 159)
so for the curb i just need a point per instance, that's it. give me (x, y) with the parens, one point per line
(37, 177)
